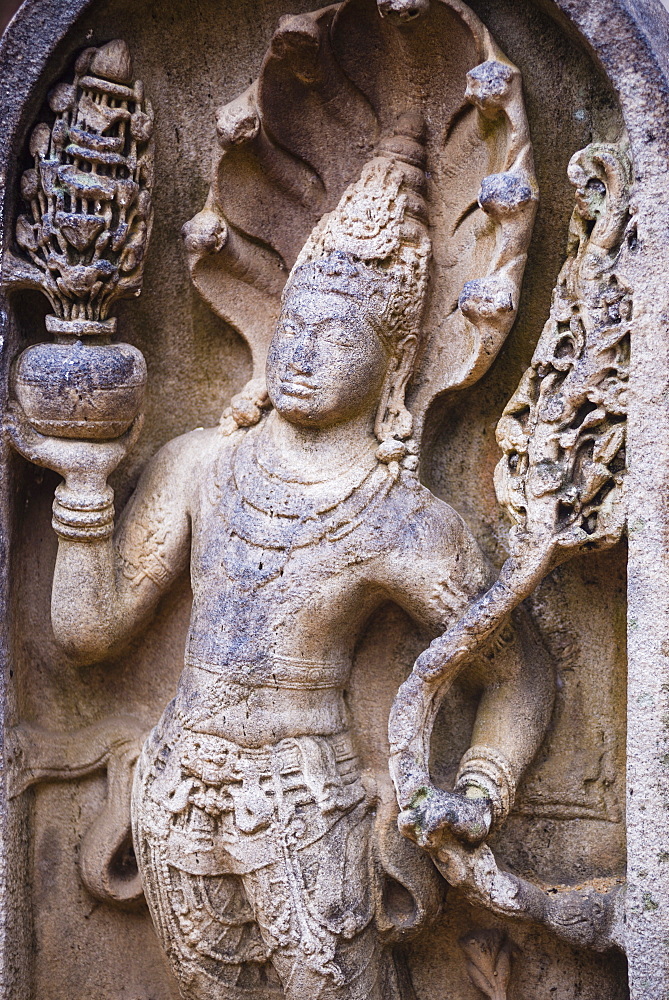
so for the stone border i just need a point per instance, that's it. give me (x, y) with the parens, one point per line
(630, 41)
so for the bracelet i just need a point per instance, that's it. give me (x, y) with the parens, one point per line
(83, 518)
(490, 771)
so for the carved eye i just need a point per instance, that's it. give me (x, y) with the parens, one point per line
(334, 333)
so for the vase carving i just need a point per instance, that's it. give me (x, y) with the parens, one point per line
(89, 197)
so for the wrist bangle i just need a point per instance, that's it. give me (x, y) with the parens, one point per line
(489, 770)
(83, 518)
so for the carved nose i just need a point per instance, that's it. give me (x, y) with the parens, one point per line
(303, 354)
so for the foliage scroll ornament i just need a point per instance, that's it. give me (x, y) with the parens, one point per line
(82, 243)
(561, 480)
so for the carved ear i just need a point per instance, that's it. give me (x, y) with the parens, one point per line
(331, 83)
(393, 418)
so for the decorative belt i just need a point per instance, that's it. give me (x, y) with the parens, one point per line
(215, 760)
(290, 672)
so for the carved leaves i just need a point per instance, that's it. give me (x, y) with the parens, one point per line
(488, 956)
(563, 432)
(88, 193)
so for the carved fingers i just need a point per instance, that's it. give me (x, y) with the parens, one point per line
(81, 463)
(36, 448)
(469, 820)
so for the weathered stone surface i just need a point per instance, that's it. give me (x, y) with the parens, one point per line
(393, 360)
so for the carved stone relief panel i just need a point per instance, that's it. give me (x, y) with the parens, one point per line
(316, 676)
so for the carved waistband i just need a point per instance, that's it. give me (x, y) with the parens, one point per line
(215, 760)
(289, 672)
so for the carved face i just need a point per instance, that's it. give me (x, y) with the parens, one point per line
(325, 364)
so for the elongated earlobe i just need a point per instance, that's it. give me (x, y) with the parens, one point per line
(394, 423)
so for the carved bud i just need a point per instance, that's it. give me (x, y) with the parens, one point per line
(205, 233)
(488, 957)
(391, 450)
(29, 185)
(403, 12)
(297, 41)
(39, 140)
(84, 61)
(247, 406)
(238, 122)
(112, 62)
(486, 298)
(59, 134)
(141, 126)
(62, 97)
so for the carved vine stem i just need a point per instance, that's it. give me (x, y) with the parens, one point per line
(561, 480)
(37, 755)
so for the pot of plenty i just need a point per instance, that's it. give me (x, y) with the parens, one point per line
(82, 385)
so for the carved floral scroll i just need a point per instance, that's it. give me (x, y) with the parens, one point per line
(562, 482)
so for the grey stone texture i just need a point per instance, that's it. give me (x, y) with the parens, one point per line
(585, 912)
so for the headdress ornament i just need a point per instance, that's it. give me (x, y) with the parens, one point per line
(376, 238)
(307, 127)
(375, 248)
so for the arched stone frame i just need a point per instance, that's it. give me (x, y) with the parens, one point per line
(630, 41)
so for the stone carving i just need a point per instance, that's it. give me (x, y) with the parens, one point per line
(83, 243)
(106, 861)
(260, 843)
(89, 193)
(251, 779)
(365, 285)
(563, 432)
(488, 954)
(326, 94)
(562, 481)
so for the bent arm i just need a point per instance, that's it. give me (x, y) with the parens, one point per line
(436, 579)
(517, 682)
(105, 587)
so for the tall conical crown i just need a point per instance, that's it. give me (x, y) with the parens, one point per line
(374, 246)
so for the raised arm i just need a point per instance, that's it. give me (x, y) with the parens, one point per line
(107, 582)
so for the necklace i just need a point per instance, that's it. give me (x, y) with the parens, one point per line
(273, 512)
